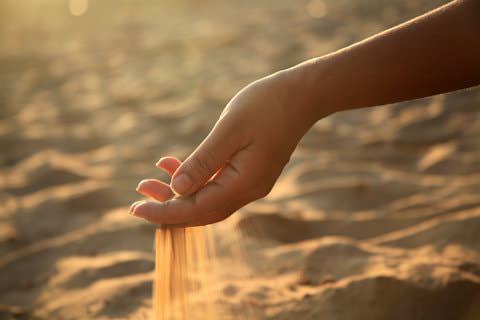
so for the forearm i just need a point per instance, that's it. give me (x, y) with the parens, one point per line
(434, 53)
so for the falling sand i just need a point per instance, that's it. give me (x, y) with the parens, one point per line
(181, 260)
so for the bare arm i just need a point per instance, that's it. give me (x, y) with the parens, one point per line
(435, 53)
(242, 157)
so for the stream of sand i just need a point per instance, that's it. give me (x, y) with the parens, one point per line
(181, 258)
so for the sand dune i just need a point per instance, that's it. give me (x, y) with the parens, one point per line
(377, 216)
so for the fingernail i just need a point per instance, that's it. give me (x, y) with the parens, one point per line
(140, 184)
(182, 183)
(133, 206)
(159, 161)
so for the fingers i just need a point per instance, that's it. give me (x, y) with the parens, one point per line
(155, 189)
(196, 210)
(205, 161)
(168, 164)
(214, 202)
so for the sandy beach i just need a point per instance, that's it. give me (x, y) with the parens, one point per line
(377, 215)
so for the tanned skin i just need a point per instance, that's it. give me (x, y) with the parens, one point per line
(242, 157)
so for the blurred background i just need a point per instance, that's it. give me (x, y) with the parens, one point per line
(377, 216)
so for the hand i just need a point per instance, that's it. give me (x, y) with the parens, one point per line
(237, 163)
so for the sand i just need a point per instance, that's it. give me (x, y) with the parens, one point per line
(377, 216)
(184, 258)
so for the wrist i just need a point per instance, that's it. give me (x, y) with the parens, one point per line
(311, 82)
(301, 112)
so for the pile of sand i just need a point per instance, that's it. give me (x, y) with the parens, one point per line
(377, 216)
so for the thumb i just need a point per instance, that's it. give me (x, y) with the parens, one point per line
(209, 157)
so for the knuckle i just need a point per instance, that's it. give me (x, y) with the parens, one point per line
(203, 163)
(264, 192)
(244, 189)
(230, 209)
(261, 191)
(241, 186)
(217, 217)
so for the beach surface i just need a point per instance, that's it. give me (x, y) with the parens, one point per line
(377, 215)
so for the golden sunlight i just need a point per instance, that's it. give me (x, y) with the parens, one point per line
(78, 7)
(316, 8)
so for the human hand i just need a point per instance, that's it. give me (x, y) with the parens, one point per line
(237, 163)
